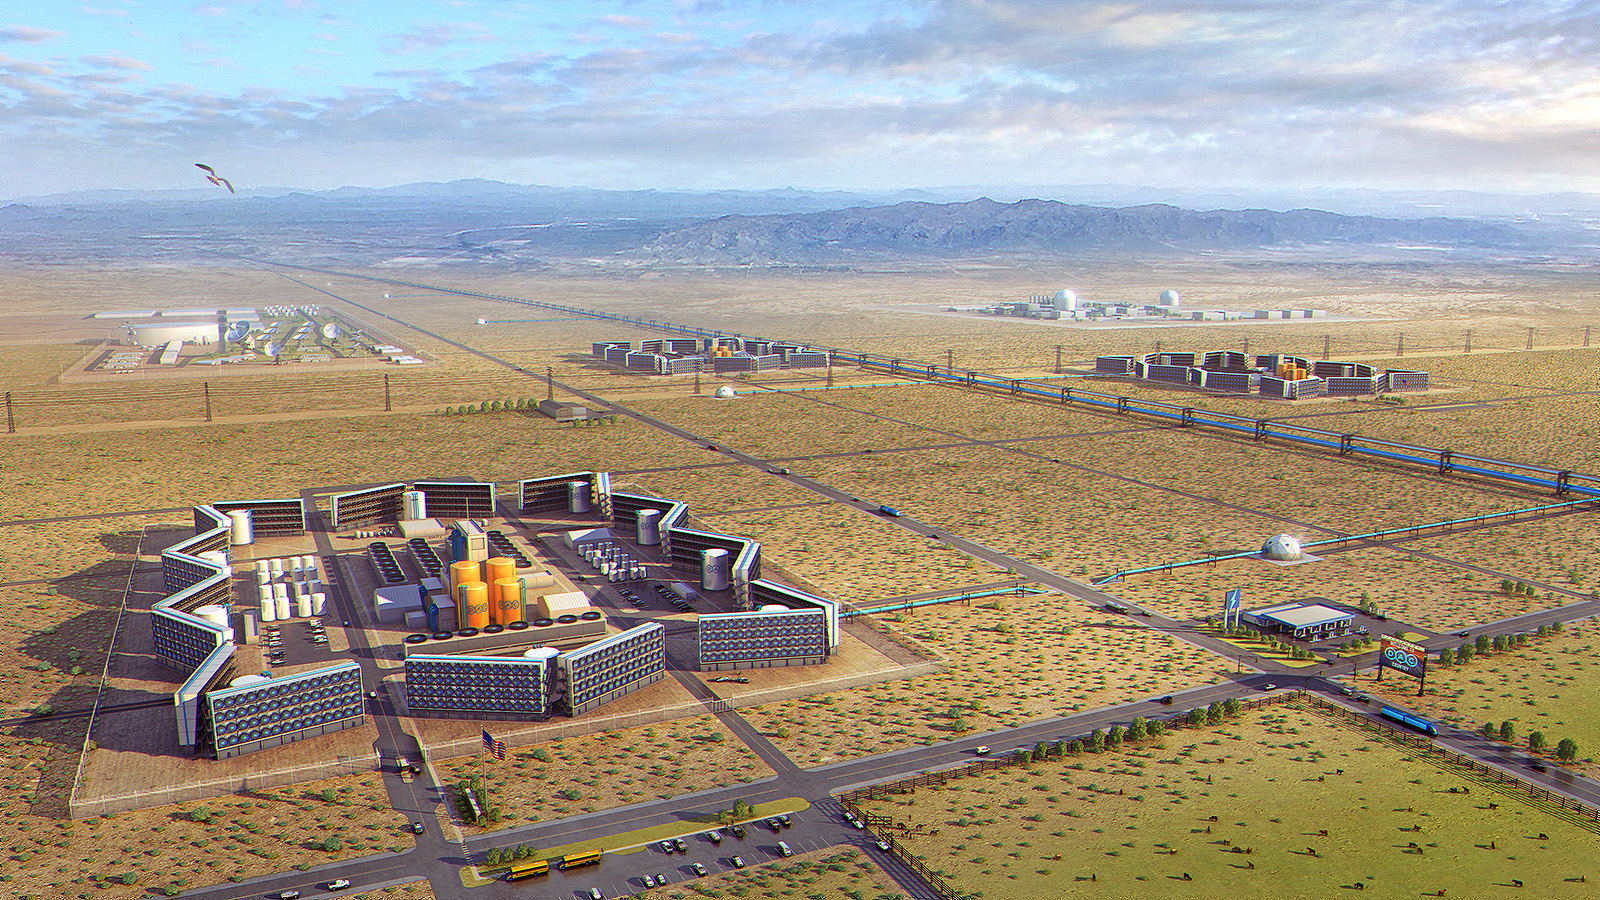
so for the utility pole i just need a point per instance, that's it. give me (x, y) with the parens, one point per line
(1469, 342)
(1327, 344)
(207, 386)
(1401, 350)
(1530, 337)
(950, 361)
(387, 406)
(549, 384)
(1585, 337)
(11, 424)
(830, 370)
(1058, 358)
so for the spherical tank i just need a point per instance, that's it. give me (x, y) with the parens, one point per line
(725, 392)
(472, 600)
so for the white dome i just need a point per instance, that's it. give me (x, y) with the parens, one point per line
(725, 392)
(1170, 297)
(1066, 299)
(483, 321)
(1281, 547)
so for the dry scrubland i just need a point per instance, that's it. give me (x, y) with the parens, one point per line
(1320, 807)
(1410, 589)
(1550, 685)
(1026, 659)
(834, 872)
(616, 768)
(169, 468)
(197, 844)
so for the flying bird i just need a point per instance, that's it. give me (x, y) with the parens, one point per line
(214, 178)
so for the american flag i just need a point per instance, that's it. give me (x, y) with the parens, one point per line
(498, 748)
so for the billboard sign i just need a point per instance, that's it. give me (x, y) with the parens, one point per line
(1404, 656)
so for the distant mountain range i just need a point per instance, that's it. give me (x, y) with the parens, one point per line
(1046, 227)
(489, 223)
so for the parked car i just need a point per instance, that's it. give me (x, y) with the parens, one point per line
(666, 847)
(649, 880)
(699, 870)
(416, 828)
(682, 847)
(594, 894)
(738, 831)
(738, 862)
(713, 837)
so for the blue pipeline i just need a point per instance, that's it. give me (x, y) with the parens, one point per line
(1347, 445)
(1370, 535)
(914, 604)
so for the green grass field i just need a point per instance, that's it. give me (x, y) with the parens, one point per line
(1282, 802)
(1550, 685)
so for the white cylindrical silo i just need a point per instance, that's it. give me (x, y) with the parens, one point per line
(319, 603)
(416, 505)
(264, 566)
(216, 615)
(275, 565)
(714, 565)
(578, 496)
(264, 579)
(280, 591)
(241, 528)
(283, 608)
(648, 527)
(303, 606)
(269, 610)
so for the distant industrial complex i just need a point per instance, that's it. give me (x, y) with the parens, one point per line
(726, 355)
(215, 337)
(485, 632)
(1271, 375)
(1064, 304)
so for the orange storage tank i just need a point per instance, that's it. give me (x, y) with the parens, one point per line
(499, 567)
(462, 572)
(507, 597)
(472, 601)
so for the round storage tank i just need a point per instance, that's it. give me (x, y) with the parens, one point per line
(578, 496)
(303, 606)
(472, 600)
(216, 615)
(269, 610)
(647, 529)
(507, 600)
(244, 680)
(416, 505)
(774, 607)
(542, 653)
(500, 567)
(275, 566)
(463, 572)
(714, 565)
(240, 529)
(319, 603)
(280, 591)
(283, 608)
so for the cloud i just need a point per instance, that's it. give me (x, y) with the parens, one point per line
(26, 34)
(635, 22)
(119, 62)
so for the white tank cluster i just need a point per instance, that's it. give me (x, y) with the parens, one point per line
(1281, 547)
(289, 587)
(612, 561)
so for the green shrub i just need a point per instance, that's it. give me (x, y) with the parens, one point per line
(1536, 741)
(1567, 750)
(1139, 729)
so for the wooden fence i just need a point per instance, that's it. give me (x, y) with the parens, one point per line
(1575, 810)
(882, 825)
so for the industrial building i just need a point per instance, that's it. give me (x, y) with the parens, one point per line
(721, 355)
(163, 331)
(1271, 375)
(485, 631)
(1313, 622)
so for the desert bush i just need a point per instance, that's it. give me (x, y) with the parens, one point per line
(1567, 750)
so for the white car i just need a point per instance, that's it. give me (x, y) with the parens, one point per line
(339, 885)
(649, 880)
(983, 750)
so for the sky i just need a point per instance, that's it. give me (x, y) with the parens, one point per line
(866, 95)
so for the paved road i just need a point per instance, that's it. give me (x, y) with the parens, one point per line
(438, 857)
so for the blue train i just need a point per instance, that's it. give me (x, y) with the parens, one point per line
(1409, 720)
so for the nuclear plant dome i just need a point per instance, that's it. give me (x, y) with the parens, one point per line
(1282, 547)
(725, 392)
(1066, 299)
(1170, 297)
